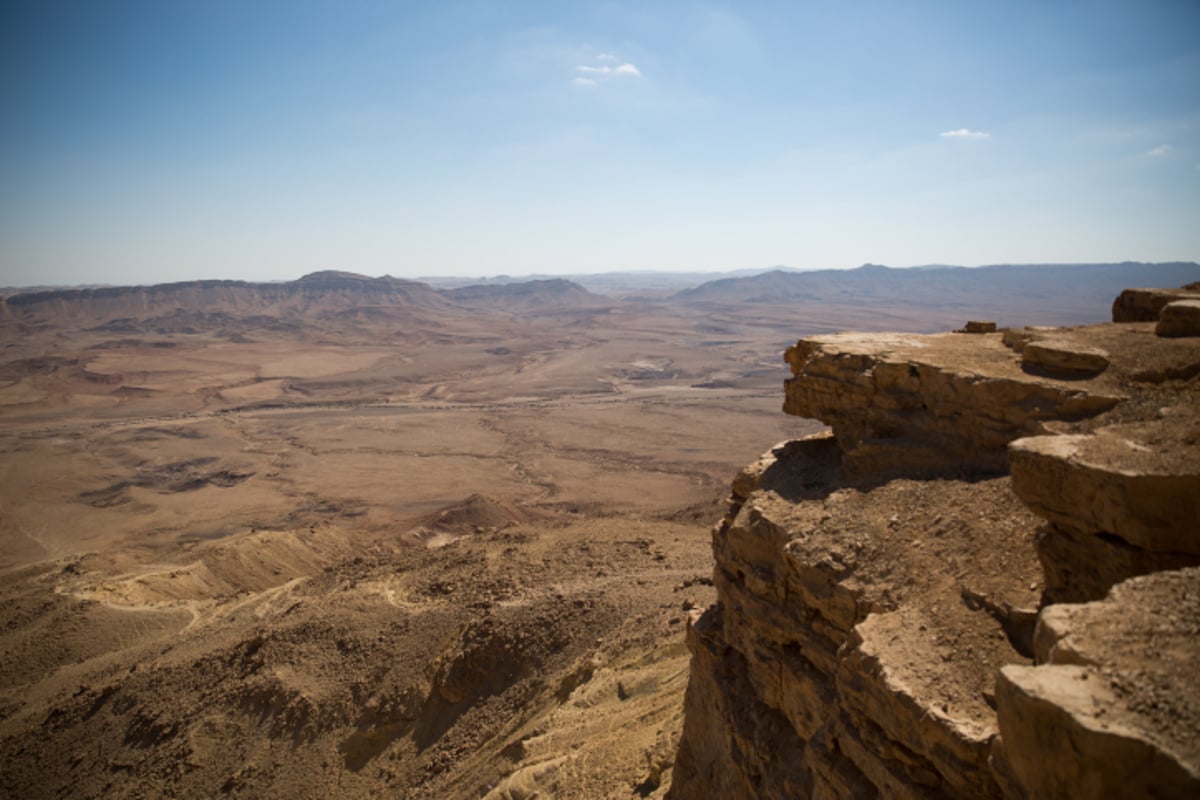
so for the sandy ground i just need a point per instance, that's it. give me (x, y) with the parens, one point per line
(349, 559)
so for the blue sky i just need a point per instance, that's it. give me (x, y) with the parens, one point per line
(170, 140)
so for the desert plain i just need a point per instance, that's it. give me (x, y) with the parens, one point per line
(316, 544)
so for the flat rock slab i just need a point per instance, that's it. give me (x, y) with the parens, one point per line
(1179, 318)
(912, 404)
(1063, 359)
(900, 673)
(1116, 710)
(1139, 481)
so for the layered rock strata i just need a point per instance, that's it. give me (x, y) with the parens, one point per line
(934, 404)
(879, 586)
(1113, 709)
(1116, 501)
(844, 657)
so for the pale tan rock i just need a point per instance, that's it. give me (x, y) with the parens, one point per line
(1146, 305)
(1179, 318)
(926, 404)
(813, 580)
(1058, 743)
(868, 619)
(1115, 708)
(1109, 482)
(1017, 338)
(1063, 359)
(892, 677)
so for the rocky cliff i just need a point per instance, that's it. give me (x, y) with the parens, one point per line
(980, 583)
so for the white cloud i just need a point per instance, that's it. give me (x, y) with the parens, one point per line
(1161, 150)
(964, 133)
(592, 74)
(624, 69)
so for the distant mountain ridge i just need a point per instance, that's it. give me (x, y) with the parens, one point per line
(944, 283)
(1009, 294)
(1070, 293)
(319, 293)
(531, 294)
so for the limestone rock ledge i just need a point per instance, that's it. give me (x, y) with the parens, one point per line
(852, 626)
(879, 586)
(935, 404)
(1120, 502)
(1112, 710)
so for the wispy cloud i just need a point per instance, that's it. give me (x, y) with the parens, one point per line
(624, 69)
(1161, 150)
(594, 74)
(964, 133)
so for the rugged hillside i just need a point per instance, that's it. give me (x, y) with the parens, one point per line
(981, 583)
(319, 291)
(526, 295)
(209, 305)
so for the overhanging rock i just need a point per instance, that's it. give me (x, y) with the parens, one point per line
(930, 404)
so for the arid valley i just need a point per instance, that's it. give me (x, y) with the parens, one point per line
(352, 537)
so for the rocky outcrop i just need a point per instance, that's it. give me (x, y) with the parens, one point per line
(843, 651)
(1146, 305)
(935, 404)
(1179, 318)
(1062, 360)
(889, 619)
(1112, 708)
(1122, 501)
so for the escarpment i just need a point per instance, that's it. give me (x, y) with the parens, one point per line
(981, 583)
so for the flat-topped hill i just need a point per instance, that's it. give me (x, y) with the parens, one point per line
(319, 294)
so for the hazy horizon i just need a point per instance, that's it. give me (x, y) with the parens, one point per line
(633, 276)
(151, 143)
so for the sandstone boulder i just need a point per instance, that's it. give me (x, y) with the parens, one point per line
(1063, 359)
(1146, 305)
(1179, 318)
(1114, 481)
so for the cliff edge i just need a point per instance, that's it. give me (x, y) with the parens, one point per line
(982, 582)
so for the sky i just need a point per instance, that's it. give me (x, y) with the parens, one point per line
(166, 140)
